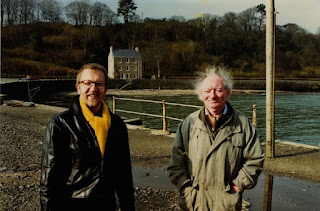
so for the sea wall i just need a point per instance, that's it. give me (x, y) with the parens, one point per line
(19, 90)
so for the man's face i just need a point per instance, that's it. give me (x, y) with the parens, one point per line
(214, 94)
(92, 93)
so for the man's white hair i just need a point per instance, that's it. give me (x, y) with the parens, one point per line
(217, 71)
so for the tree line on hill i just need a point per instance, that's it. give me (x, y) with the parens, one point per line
(43, 38)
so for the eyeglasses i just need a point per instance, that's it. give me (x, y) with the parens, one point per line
(89, 84)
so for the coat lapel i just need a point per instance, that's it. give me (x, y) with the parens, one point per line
(222, 136)
(200, 125)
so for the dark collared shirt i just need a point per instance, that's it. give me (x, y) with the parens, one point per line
(223, 119)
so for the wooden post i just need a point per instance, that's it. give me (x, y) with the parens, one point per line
(270, 49)
(254, 115)
(114, 104)
(29, 92)
(267, 202)
(164, 116)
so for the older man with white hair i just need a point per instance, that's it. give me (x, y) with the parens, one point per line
(216, 153)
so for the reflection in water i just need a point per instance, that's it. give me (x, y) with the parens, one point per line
(267, 202)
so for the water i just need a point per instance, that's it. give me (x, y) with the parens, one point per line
(296, 114)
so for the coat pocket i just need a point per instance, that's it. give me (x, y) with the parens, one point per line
(231, 200)
(188, 198)
(236, 145)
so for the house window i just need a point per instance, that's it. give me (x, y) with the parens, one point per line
(123, 76)
(120, 68)
(134, 68)
(135, 75)
(135, 60)
(128, 76)
(128, 60)
(120, 60)
(128, 68)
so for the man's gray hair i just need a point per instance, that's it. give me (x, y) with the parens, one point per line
(218, 71)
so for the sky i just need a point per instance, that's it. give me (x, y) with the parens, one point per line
(305, 13)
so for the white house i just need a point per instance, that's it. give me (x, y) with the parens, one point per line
(124, 64)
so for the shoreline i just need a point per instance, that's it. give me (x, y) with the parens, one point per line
(19, 90)
(168, 92)
(176, 92)
(165, 92)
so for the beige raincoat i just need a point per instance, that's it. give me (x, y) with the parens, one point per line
(204, 165)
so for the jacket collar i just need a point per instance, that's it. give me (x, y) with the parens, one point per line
(229, 126)
(75, 106)
(223, 120)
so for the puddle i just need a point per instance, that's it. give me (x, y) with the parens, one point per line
(271, 192)
(153, 178)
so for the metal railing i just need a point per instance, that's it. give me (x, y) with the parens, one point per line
(163, 116)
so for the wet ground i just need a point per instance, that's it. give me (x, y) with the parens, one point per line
(287, 193)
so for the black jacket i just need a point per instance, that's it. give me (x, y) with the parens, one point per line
(73, 173)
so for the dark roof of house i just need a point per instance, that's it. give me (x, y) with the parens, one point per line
(126, 53)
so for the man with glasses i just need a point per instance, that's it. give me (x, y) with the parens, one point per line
(86, 157)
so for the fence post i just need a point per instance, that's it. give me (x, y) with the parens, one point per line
(164, 116)
(254, 115)
(114, 104)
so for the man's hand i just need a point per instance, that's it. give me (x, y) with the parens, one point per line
(235, 188)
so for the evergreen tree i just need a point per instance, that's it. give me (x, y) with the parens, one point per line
(127, 9)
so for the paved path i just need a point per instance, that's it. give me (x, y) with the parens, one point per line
(288, 194)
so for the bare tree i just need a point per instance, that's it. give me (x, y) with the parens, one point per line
(229, 21)
(247, 19)
(51, 10)
(158, 56)
(203, 21)
(101, 14)
(158, 49)
(111, 18)
(11, 11)
(27, 11)
(96, 14)
(78, 12)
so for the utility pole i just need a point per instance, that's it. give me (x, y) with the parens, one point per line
(270, 74)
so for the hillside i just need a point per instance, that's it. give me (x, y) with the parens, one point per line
(177, 49)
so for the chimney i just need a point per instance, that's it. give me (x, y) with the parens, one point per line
(137, 49)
